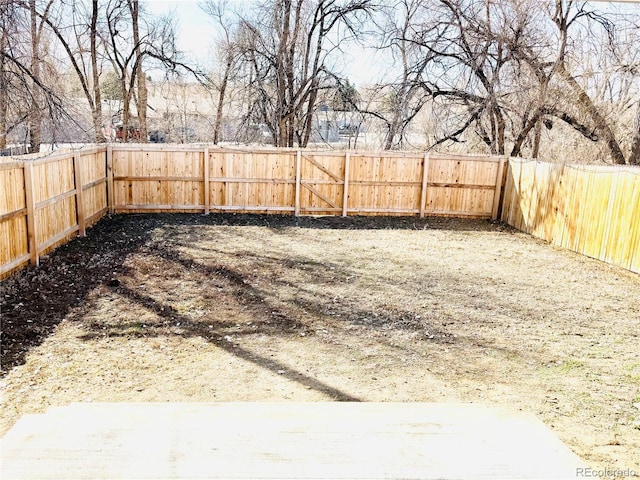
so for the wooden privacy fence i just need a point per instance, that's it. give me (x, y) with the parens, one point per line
(44, 202)
(303, 182)
(592, 210)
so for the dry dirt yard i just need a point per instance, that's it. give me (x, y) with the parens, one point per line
(193, 308)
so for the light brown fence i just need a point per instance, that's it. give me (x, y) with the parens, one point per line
(44, 202)
(303, 182)
(592, 210)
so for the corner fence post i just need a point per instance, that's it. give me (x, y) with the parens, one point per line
(497, 196)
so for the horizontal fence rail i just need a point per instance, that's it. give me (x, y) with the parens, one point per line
(46, 201)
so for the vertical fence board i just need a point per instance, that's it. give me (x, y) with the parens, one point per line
(345, 187)
(424, 185)
(80, 211)
(205, 179)
(297, 193)
(110, 186)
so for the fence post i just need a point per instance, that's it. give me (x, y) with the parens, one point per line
(31, 213)
(77, 173)
(425, 185)
(345, 193)
(297, 194)
(498, 191)
(205, 177)
(110, 189)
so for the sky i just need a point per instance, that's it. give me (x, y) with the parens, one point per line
(196, 33)
(195, 29)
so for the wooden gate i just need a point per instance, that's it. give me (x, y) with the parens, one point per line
(321, 183)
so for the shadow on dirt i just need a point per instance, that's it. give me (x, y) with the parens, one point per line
(213, 332)
(35, 300)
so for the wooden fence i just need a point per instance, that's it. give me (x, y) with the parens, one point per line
(303, 182)
(44, 202)
(592, 210)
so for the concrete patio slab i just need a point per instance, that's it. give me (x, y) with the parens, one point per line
(284, 441)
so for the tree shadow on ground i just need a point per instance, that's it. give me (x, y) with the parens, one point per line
(267, 321)
(35, 300)
(306, 313)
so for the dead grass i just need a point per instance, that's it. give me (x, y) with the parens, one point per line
(240, 308)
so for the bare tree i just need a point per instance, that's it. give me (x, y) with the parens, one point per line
(27, 95)
(501, 71)
(75, 26)
(229, 47)
(132, 40)
(404, 97)
(287, 45)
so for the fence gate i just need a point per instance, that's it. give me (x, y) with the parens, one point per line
(322, 182)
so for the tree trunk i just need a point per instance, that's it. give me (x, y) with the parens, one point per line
(634, 157)
(35, 115)
(308, 119)
(4, 104)
(585, 103)
(141, 80)
(126, 110)
(142, 106)
(97, 106)
(223, 90)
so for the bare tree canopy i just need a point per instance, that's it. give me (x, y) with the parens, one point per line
(284, 48)
(499, 71)
(508, 77)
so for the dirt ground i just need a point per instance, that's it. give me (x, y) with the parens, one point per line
(194, 308)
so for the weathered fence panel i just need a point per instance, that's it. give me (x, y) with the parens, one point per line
(14, 245)
(154, 180)
(93, 178)
(246, 181)
(592, 210)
